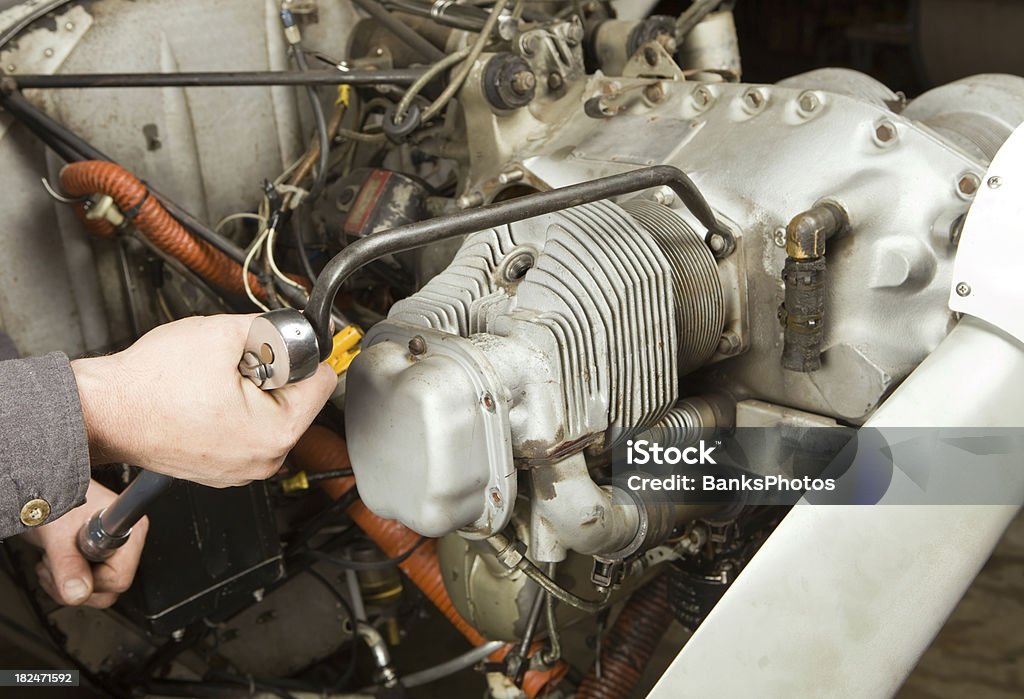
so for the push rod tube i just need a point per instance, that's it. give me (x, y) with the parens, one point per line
(415, 235)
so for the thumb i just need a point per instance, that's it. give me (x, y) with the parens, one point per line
(70, 572)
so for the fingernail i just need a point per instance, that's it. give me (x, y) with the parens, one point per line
(75, 590)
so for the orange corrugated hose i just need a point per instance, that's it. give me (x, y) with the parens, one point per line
(128, 192)
(319, 449)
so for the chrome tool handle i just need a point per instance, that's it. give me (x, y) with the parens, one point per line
(281, 349)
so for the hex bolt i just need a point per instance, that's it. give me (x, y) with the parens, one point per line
(524, 81)
(968, 184)
(963, 289)
(555, 81)
(994, 182)
(417, 346)
(885, 132)
(729, 343)
(487, 400)
(808, 102)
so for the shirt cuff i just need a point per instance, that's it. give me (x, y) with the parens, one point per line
(44, 449)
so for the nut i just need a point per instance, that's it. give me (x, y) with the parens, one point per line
(885, 132)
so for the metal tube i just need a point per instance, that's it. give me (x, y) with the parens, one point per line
(450, 667)
(401, 30)
(63, 81)
(415, 235)
(109, 529)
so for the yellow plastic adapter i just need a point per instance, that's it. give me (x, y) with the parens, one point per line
(345, 348)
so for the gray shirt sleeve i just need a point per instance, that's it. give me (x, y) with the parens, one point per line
(44, 450)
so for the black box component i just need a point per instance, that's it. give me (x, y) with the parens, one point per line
(207, 552)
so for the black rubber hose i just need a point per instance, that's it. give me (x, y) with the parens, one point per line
(420, 233)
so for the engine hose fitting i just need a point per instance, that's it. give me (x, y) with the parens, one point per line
(804, 276)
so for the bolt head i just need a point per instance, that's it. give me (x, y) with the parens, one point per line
(702, 98)
(963, 289)
(650, 56)
(524, 81)
(885, 132)
(417, 346)
(487, 400)
(555, 81)
(808, 102)
(968, 184)
(654, 93)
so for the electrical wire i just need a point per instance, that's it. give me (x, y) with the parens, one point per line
(432, 72)
(460, 77)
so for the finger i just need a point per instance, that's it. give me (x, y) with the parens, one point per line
(70, 572)
(101, 600)
(117, 572)
(305, 398)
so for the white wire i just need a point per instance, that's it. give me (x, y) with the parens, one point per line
(245, 268)
(273, 264)
(241, 215)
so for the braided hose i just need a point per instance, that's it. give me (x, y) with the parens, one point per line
(630, 643)
(131, 195)
(320, 450)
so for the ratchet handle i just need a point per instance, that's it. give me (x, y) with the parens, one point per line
(281, 348)
(109, 529)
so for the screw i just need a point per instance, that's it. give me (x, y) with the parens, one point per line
(885, 132)
(488, 402)
(968, 184)
(779, 237)
(417, 346)
(555, 81)
(729, 343)
(808, 102)
(523, 82)
(654, 93)
(702, 98)
(753, 99)
(664, 196)
(963, 289)
(994, 182)
(496, 497)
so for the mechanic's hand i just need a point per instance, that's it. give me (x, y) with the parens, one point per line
(70, 579)
(175, 403)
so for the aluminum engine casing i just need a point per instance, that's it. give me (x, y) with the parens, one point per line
(542, 338)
